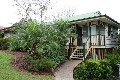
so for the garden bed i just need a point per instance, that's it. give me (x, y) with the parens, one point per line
(7, 72)
(19, 64)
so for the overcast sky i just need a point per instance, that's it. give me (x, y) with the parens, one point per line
(8, 13)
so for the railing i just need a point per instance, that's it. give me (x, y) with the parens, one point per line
(80, 52)
(72, 49)
(110, 41)
(86, 48)
(67, 49)
(88, 44)
(77, 53)
(95, 40)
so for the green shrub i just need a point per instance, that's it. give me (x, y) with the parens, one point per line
(57, 56)
(93, 70)
(114, 59)
(4, 43)
(42, 64)
(15, 45)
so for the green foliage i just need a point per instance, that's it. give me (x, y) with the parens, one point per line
(1, 34)
(15, 45)
(38, 36)
(114, 59)
(118, 44)
(93, 70)
(57, 56)
(42, 64)
(42, 39)
(4, 43)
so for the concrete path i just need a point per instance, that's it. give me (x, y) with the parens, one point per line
(65, 71)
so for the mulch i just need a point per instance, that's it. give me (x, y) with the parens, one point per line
(19, 64)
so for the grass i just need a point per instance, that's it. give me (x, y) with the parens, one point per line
(7, 72)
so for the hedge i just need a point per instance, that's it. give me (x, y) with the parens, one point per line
(4, 43)
(114, 59)
(93, 70)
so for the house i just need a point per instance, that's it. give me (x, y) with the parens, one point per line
(6, 32)
(1, 27)
(96, 35)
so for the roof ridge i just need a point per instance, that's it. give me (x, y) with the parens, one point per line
(96, 12)
(82, 16)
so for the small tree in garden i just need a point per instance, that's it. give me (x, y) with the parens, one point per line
(41, 35)
(44, 41)
(37, 9)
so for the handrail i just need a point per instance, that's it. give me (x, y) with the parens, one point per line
(73, 52)
(88, 40)
(87, 46)
(95, 40)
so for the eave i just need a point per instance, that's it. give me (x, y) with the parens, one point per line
(103, 18)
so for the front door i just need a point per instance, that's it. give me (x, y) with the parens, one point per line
(79, 33)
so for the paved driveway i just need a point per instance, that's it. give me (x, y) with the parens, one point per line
(65, 71)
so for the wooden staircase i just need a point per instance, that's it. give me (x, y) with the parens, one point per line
(77, 53)
(80, 52)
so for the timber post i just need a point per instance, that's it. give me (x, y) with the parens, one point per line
(99, 41)
(90, 32)
(69, 52)
(84, 51)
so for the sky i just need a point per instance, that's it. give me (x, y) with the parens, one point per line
(9, 14)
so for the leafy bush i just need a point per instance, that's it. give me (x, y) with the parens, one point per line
(4, 43)
(15, 45)
(93, 70)
(114, 59)
(57, 56)
(42, 39)
(42, 64)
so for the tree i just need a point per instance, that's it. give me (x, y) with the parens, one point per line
(32, 8)
(40, 10)
(37, 8)
(42, 39)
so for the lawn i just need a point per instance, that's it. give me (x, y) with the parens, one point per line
(7, 72)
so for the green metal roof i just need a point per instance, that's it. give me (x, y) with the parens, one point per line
(83, 16)
(88, 16)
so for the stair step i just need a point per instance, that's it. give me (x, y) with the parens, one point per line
(78, 54)
(76, 57)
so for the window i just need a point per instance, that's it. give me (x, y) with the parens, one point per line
(102, 29)
(85, 31)
(109, 30)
